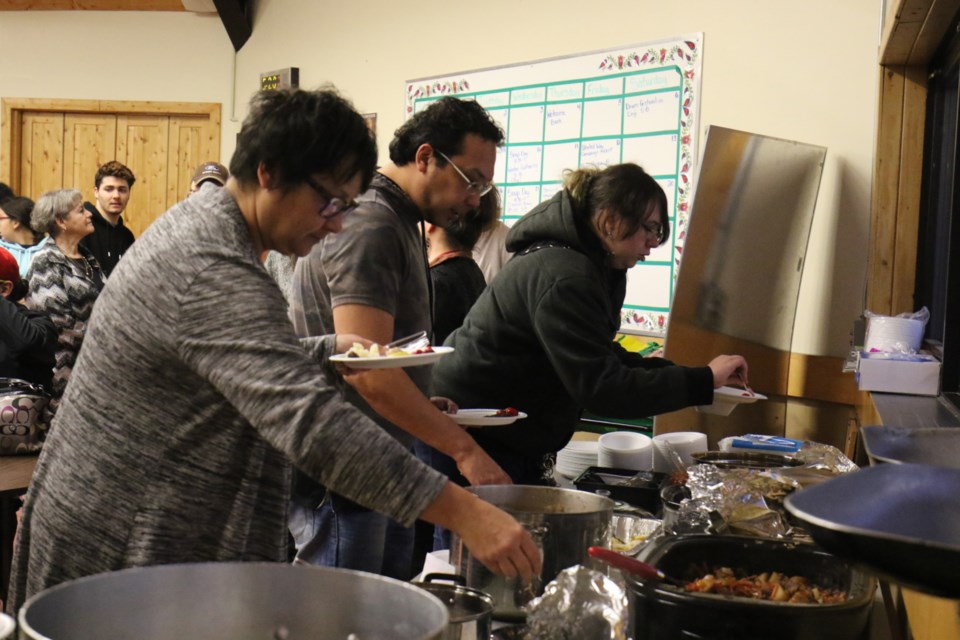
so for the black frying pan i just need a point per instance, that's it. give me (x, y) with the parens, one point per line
(898, 521)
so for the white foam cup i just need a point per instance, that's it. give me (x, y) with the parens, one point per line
(686, 443)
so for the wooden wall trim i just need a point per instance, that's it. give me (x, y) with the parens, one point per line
(150, 107)
(92, 5)
(895, 210)
(913, 30)
(821, 378)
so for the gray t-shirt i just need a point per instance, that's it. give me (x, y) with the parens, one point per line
(190, 397)
(377, 260)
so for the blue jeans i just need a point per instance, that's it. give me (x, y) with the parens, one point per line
(341, 533)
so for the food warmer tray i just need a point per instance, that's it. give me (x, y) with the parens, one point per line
(900, 522)
(934, 446)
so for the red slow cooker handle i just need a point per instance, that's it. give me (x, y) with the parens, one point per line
(625, 563)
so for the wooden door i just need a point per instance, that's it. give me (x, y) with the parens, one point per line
(61, 144)
(142, 145)
(89, 140)
(41, 154)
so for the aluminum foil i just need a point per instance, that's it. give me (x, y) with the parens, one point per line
(579, 603)
(744, 501)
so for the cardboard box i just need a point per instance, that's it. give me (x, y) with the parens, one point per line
(914, 374)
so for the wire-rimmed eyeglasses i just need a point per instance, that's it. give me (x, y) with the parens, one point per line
(477, 188)
(334, 206)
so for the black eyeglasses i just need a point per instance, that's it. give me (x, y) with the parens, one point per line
(478, 188)
(335, 206)
(654, 230)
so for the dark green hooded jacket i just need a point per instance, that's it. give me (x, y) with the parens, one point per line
(540, 339)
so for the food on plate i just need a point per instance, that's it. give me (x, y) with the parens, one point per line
(426, 349)
(773, 586)
(379, 351)
(373, 351)
(509, 412)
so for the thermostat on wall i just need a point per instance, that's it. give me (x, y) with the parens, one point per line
(288, 78)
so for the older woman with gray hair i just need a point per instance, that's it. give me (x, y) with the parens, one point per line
(64, 279)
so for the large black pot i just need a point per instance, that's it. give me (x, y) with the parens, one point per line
(661, 612)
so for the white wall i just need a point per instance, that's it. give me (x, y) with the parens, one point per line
(803, 71)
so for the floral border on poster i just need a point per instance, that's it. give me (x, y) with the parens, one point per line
(684, 54)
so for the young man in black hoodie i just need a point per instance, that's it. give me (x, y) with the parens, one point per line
(110, 238)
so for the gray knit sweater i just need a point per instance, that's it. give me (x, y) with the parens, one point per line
(190, 396)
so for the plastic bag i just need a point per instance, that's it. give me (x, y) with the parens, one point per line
(899, 334)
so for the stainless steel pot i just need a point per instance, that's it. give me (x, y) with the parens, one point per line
(471, 611)
(563, 522)
(262, 601)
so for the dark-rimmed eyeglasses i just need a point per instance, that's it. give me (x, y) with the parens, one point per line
(334, 206)
(477, 188)
(653, 230)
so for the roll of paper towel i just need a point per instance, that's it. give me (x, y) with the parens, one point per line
(685, 443)
(886, 333)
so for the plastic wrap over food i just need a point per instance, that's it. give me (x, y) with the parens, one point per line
(579, 603)
(816, 455)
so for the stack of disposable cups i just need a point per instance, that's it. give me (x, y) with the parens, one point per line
(685, 443)
(886, 333)
(625, 450)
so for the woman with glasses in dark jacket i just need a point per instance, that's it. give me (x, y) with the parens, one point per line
(541, 336)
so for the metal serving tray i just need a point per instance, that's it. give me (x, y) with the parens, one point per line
(898, 521)
(934, 446)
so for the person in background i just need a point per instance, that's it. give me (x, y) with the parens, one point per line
(540, 338)
(457, 283)
(490, 251)
(16, 234)
(174, 440)
(457, 280)
(110, 238)
(27, 338)
(64, 280)
(372, 279)
(212, 172)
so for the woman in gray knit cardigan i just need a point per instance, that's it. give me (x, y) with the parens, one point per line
(192, 394)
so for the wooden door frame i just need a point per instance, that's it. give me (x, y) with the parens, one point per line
(12, 110)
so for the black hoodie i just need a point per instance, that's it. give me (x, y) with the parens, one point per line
(541, 339)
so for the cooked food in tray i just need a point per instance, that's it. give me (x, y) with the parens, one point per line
(772, 586)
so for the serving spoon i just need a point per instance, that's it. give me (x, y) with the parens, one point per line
(633, 566)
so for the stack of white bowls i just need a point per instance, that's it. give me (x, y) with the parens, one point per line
(625, 450)
(885, 333)
(574, 458)
(685, 443)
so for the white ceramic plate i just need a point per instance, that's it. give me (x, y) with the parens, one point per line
(484, 418)
(392, 362)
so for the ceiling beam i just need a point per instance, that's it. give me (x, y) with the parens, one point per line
(91, 5)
